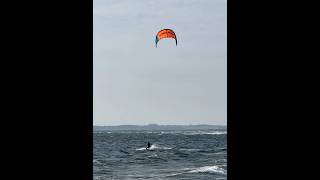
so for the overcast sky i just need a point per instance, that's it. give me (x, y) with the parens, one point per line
(136, 83)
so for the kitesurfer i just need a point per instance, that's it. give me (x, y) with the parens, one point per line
(149, 145)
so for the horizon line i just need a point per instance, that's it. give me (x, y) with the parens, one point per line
(164, 124)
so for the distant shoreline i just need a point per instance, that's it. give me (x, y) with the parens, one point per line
(159, 127)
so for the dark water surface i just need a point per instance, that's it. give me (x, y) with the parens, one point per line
(191, 154)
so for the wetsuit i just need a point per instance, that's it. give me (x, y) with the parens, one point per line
(149, 145)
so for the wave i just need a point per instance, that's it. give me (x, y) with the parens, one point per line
(174, 174)
(209, 169)
(221, 161)
(205, 169)
(216, 151)
(207, 133)
(153, 147)
(95, 161)
(190, 150)
(153, 155)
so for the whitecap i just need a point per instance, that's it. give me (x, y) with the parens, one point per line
(154, 147)
(190, 150)
(209, 169)
(174, 174)
(141, 149)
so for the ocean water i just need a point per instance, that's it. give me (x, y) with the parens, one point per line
(190, 154)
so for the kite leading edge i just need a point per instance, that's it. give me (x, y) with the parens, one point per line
(165, 33)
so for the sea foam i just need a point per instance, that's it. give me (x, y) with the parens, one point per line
(154, 147)
(209, 169)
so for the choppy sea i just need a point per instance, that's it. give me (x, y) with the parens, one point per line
(185, 155)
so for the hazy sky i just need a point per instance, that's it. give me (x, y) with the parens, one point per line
(136, 83)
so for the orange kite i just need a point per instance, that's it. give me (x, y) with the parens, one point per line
(166, 33)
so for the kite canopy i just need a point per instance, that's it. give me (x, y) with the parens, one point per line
(166, 33)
